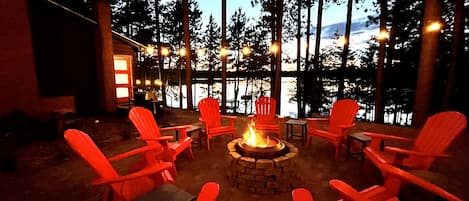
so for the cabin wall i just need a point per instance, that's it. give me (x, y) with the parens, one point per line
(65, 55)
(18, 83)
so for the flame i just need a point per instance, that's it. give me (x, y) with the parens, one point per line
(252, 139)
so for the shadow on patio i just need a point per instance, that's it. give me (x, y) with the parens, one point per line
(49, 170)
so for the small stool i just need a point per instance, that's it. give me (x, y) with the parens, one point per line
(359, 137)
(290, 123)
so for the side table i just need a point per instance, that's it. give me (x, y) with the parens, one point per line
(189, 131)
(363, 139)
(289, 125)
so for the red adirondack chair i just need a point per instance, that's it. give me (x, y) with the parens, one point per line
(341, 119)
(394, 179)
(436, 135)
(211, 119)
(146, 125)
(301, 194)
(209, 192)
(125, 187)
(265, 118)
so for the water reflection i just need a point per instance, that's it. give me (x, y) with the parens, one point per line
(358, 89)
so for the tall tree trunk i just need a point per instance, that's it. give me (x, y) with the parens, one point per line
(188, 56)
(272, 5)
(456, 46)
(158, 43)
(106, 80)
(340, 91)
(298, 62)
(308, 42)
(426, 71)
(317, 85)
(379, 110)
(278, 65)
(223, 58)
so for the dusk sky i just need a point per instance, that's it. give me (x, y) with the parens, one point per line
(333, 14)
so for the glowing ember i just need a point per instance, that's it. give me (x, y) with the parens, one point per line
(251, 138)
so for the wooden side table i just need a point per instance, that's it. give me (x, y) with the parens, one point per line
(363, 139)
(190, 131)
(289, 125)
(359, 137)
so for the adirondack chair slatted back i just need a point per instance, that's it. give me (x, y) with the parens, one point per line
(436, 135)
(146, 125)
(265, 110)
(210, 112)
(82, 144)
(343, 112)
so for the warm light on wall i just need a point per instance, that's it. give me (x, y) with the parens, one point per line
(147, 82)
(434, 26)
(383, 35)
(164, 51)
(246, 51)
(138, 82)
(223, 52)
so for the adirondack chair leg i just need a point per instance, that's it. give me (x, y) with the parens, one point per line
(208, 143)
(189, 153)
(337, 151)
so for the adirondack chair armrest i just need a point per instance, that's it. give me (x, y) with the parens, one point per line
(408, 177)
(346, 126)
(163, 140)
(346, 189)
(406, 152)
(231, 118)
(280, 119)
(133, 152)
(312, 121)
(142, 173)
(378, 138)
(180, 128)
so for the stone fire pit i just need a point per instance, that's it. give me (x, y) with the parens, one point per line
(263, 176)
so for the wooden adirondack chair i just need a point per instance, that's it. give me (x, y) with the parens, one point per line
(125, 187)
(301, 194)
(341, 119)
(394, 179)
(209, 192)
(265, 118)
(436, 135)
(146, 125)
(211, 119)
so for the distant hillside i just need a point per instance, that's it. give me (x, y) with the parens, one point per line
(358, 27)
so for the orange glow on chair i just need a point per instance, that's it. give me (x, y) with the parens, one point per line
(394, 179)
(209, 192)
(146, 125)
(341, 119)
(265, 118)
(125, 187)
(301, 194)
(436, 135)
(211, 119)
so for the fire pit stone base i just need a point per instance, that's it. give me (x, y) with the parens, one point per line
(263, 176)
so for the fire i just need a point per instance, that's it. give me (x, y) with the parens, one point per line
(252, 139)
